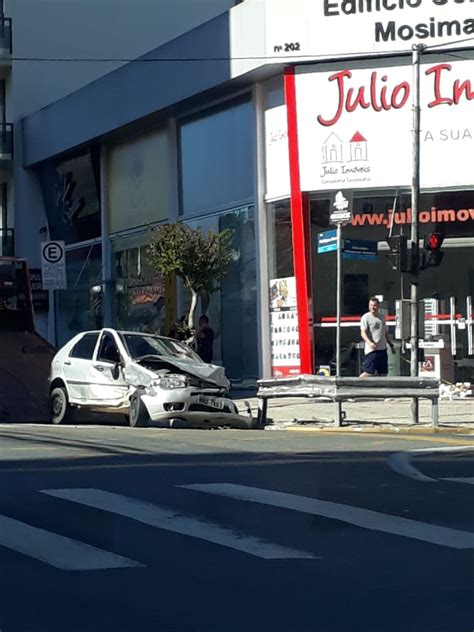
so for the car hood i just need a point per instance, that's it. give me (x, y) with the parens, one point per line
(207, 372)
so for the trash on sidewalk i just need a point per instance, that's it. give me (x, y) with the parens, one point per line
(460, 390)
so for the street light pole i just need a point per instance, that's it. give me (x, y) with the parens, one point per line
(415, 198)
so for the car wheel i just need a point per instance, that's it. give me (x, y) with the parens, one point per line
(59, 403)
(138, 416)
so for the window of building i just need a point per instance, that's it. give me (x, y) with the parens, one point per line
(142, 300)
(232, 310)
(79, 308)
(217, 159)
(138, 181)
(71, 193)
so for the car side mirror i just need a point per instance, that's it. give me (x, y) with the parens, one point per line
(116, 370)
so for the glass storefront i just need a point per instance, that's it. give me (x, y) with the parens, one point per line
(232, 309)
(79, 308)
(141, 302)
(444, 291)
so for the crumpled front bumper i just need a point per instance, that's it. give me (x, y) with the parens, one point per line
(183, 408)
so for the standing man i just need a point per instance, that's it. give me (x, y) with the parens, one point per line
(205, 339)
(373, 331)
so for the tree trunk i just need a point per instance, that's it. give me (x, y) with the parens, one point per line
(192, 309)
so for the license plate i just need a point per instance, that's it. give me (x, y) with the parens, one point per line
(213, 402)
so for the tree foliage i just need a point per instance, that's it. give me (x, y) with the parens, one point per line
(200, 260)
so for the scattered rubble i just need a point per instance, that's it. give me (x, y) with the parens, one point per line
(460, 390)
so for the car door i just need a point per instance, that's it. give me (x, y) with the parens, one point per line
(107, 383)
(76, 367)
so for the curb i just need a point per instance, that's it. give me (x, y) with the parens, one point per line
(467, 433)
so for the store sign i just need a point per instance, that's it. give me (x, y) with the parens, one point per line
(331, 28)
(355, 126)
(284, 327)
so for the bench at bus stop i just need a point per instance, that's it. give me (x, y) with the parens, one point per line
(343, 389)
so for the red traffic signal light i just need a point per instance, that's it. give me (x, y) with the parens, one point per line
(433, 255)
(434, 241)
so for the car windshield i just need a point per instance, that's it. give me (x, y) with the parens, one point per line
(141, 345)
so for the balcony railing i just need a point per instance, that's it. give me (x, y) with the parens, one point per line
(7, 242)
(6, 36)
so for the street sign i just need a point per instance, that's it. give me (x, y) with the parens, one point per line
(327, 241)
(53, 265)
(341, 208)
(359, 249)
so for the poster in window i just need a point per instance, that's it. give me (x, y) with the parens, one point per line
(284, 336)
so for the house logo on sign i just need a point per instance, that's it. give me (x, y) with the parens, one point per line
(335, 151)
(358, 148)
(344, 162)
(341, 203)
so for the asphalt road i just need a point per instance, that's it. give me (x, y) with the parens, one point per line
(117, 529)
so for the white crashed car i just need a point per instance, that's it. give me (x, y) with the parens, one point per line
(153, 380)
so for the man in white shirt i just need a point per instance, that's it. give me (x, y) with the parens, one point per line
(373, 331)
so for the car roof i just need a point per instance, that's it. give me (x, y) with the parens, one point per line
(121, 332)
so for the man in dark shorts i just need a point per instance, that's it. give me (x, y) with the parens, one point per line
(205, 339)
(373, 331)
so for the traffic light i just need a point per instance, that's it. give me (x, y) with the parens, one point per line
(398, 253)
(432, 250)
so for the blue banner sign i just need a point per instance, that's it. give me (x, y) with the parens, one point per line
(358, 249)
(327, 241)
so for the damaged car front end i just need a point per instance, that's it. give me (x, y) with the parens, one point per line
(172, 387)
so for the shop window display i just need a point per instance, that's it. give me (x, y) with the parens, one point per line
(139, 296)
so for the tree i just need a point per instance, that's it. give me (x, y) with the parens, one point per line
(200, 260)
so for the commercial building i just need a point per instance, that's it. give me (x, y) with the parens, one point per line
(254, 121)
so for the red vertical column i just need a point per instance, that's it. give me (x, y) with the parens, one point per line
(300, 231)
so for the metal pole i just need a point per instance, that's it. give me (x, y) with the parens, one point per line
(338, 300)
(415, 197)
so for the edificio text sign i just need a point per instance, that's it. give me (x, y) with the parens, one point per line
(331, 28)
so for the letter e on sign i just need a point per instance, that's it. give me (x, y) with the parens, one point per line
(53, 265)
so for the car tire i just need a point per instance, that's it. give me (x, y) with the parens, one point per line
(61, 410)
(138, 416)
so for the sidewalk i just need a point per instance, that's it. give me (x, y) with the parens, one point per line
(455, 416)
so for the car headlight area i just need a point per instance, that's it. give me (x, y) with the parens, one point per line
(172, 381)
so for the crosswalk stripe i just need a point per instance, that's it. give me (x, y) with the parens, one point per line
(57, 550)
(170, 520)
(365, 518)
(469, 480)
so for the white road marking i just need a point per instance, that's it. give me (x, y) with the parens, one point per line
(170, 520)
(401, 463)
(467, 479)
(57, 550)
(365, 518)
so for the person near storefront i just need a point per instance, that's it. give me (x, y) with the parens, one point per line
(205, 339)
(373, 331)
